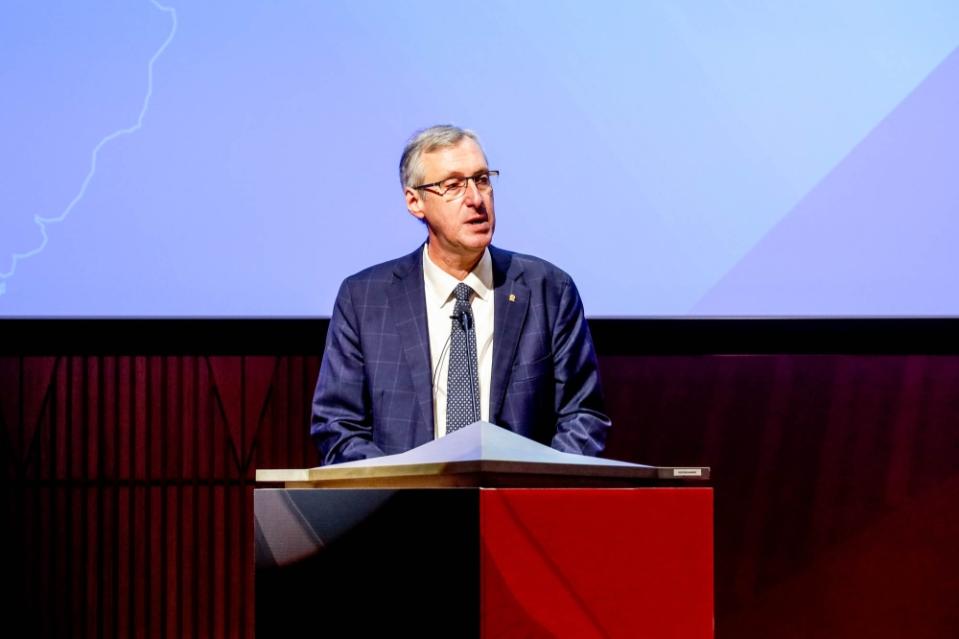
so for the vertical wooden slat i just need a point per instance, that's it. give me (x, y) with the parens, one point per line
(92, 561)
(183, 524)
(25, 598)
(13, 510)
(940, 436)
(91, 423)
(234, 433)
(167, 442)
(130, 529)
(226, 558)
(123, 624)
(247, 596)
(32, 577)
(122, 593)
(826, 500)
(64, 487)
(112, 604)
(96, 439)
(896, 484)
(285, 434)
(121, 469)
(139, 384)
(170, 565)
(187, 551)
(867, 443)
(306, 454)
(44, 560)
(124, 426)
(205, 563)
(193, 588)
(86, 522)
(209, 456)
(148, 541)
(55, 556)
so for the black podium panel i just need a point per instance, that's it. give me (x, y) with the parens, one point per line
(358, 570)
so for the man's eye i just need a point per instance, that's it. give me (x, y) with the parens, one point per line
(453, 184)
(481, 180)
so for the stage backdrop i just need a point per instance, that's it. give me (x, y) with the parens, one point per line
(677, 157)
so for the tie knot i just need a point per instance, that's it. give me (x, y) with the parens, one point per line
(462, 292)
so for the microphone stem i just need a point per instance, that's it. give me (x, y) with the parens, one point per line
(471, 347)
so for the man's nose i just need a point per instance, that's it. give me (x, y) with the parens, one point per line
(472, 196)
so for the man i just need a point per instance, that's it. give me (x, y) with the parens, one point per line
(456, 331)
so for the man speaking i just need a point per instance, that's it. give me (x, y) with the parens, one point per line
(457, 331)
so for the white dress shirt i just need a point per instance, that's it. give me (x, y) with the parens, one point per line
(440, 303)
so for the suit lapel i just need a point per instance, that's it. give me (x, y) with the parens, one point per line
(511, 297)
(408, 306)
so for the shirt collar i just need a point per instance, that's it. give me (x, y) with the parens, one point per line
(480, 279)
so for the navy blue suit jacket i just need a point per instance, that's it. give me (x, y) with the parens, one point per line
(374, 392)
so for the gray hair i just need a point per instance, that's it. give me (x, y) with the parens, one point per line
(435, 137)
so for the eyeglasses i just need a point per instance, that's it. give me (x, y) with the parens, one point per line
(455, 187)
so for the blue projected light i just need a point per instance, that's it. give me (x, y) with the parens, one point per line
(43, 222)
(677, 158)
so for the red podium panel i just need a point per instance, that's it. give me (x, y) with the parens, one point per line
(485, 562)
(634, 562)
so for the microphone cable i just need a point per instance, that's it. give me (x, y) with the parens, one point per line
(469, 328)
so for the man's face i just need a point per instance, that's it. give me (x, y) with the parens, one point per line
(460, 227)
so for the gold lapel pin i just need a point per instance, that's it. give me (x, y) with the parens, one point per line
(512, 297)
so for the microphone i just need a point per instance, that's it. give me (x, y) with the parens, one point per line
(464, 318)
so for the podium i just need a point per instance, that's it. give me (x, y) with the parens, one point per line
(484, 534)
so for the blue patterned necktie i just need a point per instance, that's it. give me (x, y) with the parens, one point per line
(462, 387)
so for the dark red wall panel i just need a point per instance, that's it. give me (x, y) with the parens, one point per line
(127, 492)
(128, 481)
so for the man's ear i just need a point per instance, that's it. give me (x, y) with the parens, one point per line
(414, 203)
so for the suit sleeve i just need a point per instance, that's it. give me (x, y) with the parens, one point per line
(582, 424)
(341, 423)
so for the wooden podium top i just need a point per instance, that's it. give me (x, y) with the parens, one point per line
(482, 455)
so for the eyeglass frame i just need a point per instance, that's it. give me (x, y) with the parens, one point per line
(488, 173)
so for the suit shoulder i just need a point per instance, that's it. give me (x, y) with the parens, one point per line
(534, 267)
(384, 272)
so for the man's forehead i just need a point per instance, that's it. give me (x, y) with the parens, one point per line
(465, 155)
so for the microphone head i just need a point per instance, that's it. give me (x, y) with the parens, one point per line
(463, 317)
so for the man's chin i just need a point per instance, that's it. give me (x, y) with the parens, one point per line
(481, 234)
(481, 242)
